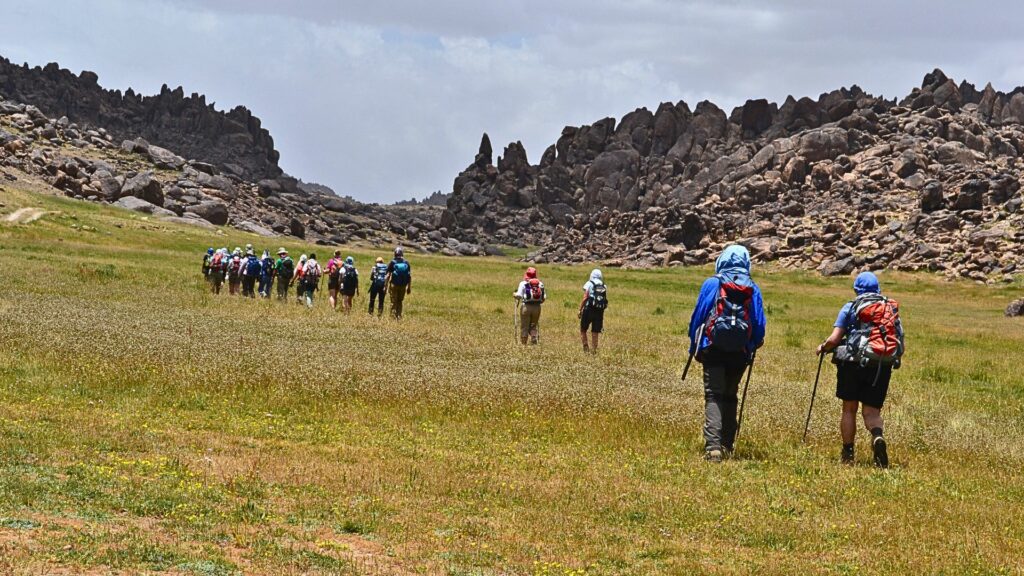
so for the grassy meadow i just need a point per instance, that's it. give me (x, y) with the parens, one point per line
(147, 426)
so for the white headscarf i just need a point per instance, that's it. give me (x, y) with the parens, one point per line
(596, 277)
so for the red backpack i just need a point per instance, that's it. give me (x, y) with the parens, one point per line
(534, 291)
(728, 327)
(217, 263)
(235, 267)
(877, 336)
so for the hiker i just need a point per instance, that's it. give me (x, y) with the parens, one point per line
(234, 273)
(378, 283)
(266, 275)
(726, 328)
(399, 281)
(867, 339)
(251, 266)
(297, 278)
(284, 271)
(311, 273)
(591, 314)
(530, 296)
(206, 263)
(218, 270)
(334, 278)
(349, 283)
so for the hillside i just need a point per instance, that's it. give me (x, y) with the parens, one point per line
(148, 426)
(847, 181)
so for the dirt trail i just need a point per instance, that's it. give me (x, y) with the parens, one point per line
(25, 215)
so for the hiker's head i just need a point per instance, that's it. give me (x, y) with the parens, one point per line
(350, 261)
(209, 251)
(866, 282)
(249, 252)
(248, 246)
(312, 256)
(531, 273)
(282, 252)
(380, 260)
(596, 276)
(337, 253)
(237, 251)
(265, 255)
(399, 253)
(302, 258)
(734, 259)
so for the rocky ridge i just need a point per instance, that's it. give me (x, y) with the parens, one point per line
(847, 181)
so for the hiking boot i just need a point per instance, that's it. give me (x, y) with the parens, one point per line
(714, 456)
(881, 455)
(846, 457)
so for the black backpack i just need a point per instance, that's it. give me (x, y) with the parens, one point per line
(349, 276)
(287, 269)
(598, 299)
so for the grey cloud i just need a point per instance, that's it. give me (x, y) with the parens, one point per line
(384, 100)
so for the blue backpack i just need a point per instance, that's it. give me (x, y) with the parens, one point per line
(252, 267)
(728, 327)
(401, 274)
(379, 276)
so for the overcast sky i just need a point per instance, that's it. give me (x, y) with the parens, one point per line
(383, 100)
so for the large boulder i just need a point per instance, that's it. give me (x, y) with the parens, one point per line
(139, 205)
(144, 186)
(824, 144)
(1016, 308)
(213, 211)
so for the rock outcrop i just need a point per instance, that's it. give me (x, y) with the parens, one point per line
(845, 182)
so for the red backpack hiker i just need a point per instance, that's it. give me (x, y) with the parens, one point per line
(534, 291)
(217, 263)
(877, 337)
(728, 327)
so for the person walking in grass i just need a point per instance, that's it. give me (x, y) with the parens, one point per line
(591, 314)
(726, 328)
(867, 341)
(530, 295)
(206, 263)
(234, 273)
(250, 273)
(378, 285)
(297, 279)
(218, 270)
(334, 278)
(399, 282)
(266, 275)
(349, 283)
(311, 274)
(284, 271)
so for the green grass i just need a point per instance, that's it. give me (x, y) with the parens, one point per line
(146, 425)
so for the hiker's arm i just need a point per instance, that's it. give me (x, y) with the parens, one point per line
(705, 300)
(583, 304)
(760, 322)
(832, 341)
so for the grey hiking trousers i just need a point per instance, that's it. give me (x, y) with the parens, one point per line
(721, 387)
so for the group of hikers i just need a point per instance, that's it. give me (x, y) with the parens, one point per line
(727, 327)
(247, 274)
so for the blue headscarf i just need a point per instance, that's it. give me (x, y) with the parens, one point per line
(734, 264)
(349, 261)
(209, 251)
(866, 282)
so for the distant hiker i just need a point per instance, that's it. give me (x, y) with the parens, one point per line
(591, 314)
(378, 285)
(530, 296)
(399, 281)
(266, 274)
(235, 272)
(206, 263)
(349, 283)
(311, 274)
(727, 326)
(284, 271)
(334, 278)
(867, 338)
(218, 270)
(251, 266)
(297, 279)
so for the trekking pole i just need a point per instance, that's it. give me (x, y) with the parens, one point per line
(814, 391)
(739, 421)
(690, 359)
(515, 322)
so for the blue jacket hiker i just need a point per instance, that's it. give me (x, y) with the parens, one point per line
(726, 328)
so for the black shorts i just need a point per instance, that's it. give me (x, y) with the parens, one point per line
(333, 283)
(592, 320)
(346, 292)
(858, 383)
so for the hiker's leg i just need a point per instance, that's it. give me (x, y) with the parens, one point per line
(583, 338)
(730, 401)
(332, 298)
(848, 421)
(594, 337)
(524, 324)
(714, 389)
(872, 417)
